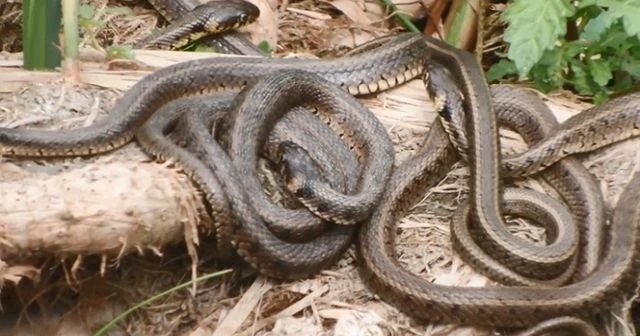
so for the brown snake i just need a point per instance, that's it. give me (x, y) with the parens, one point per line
(208, 163)
(193, 20)
(595, 292)
(278, 258)
(205, 76)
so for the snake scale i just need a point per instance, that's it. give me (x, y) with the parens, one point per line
(159, 101)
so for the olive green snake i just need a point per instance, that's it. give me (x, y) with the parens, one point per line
(366, 72)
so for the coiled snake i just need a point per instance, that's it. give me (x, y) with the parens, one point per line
(283, 84)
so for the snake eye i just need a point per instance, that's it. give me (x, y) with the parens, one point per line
(243, 17)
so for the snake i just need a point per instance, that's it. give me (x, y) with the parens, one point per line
(354, 75)
(279, 258)
(212, 23)
(206, 161)
(510, 323)
(532, 119)
(367, 72)
(191, 20)
(597, 290)
(552, 260)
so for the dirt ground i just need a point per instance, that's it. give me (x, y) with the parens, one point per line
(121, 228)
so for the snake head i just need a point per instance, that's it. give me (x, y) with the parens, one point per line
(297, 168)
(231, 14)
(449, 102)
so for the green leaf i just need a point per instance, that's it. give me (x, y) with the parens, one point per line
(623, 82)
(578, 73)
(596, 27)
(628, 11)
(586, 10)
(572, 49)
(634, 50)
(614, 38)
(582, 82)
(600, 97)
(41, 26)
(600, 71)
(534, 27)
(85, 17)
(586, 3)
(605, 58)
(503, 68)
(264, 46)
(200, 47)
(632, 66)
(548, 74)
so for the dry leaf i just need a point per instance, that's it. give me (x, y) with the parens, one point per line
(265, 28)
(352, 10)
(310, 14)
(350, 38)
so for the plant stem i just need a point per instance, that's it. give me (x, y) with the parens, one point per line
(70, 25)
(41, 24)
(70, 28)
(404, 19)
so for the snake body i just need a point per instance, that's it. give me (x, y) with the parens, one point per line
(356, 75)
(232, 74)
(152, 137)
(554, 258)
(211, 22)
(211, 167)
(274, 256)
(534, 121)
(598, 291)
(579, 134)
(322, 147)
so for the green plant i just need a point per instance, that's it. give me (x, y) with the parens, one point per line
(70, 28)
(91, 21)
(41, 26)
(603, 59)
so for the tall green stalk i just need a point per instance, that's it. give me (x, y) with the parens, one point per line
(70, 26)
(41, 24)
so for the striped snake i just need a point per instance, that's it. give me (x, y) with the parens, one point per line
(284, 84)
(599, 286)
